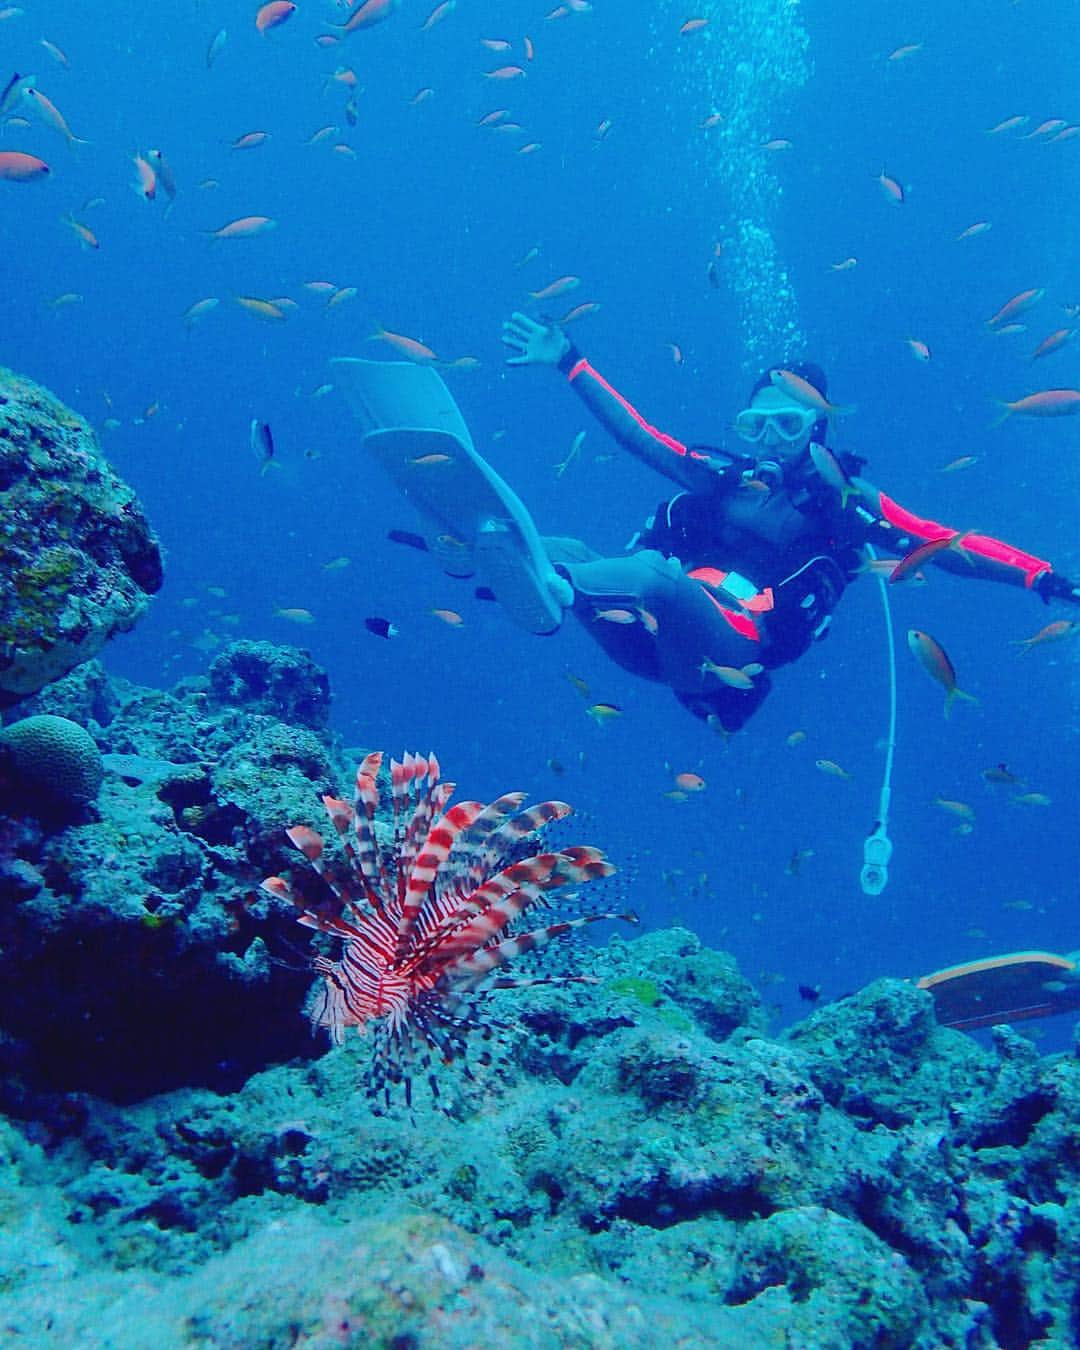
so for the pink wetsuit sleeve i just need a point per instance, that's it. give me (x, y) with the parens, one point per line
(659, 450)
(990, 557)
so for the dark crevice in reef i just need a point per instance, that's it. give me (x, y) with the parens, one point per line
(1013, 1129)
(665, 1204)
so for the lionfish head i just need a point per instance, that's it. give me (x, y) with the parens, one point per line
(426, 919)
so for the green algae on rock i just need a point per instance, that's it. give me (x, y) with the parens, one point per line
(78, 560)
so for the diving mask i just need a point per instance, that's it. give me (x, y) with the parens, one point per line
(791, 424)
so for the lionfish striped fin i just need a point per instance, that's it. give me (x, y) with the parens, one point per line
(468, 971)
(527, 881)
(585, 864)
(281, 890)
(413, 811)
(327, 923)
(530, 820)
(467, 868)
(365, 804)
(512, 831)
(310, 843)
(423, 870)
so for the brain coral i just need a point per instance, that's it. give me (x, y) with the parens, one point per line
(52, 759)
(78, 560)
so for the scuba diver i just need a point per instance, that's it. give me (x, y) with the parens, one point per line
(733, 576)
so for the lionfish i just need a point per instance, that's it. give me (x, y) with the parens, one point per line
(426, 920)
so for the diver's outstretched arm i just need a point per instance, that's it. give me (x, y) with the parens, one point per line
(899, 531)
(547, 344)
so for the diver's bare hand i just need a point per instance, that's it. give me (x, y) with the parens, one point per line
(536, 344)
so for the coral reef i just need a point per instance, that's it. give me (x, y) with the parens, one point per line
(637, 1162)
(616, 1175)
(145, 913)
(78, 560)
(49, 762)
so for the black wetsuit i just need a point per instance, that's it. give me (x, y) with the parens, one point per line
(740, 571)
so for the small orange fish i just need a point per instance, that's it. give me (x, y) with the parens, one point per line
(85, 234)
(273, 14)
(693, 26)
(1019, 304)
(407, 346)
(690, 782)
(1053, 632)
(1052, 343)
(891, 188)
(581, 311)
(980, 227)
(294, 613)
(676, 353)
(910, 562)
(439, 12)
(615, 616)
(954, 808)
(495, 44)
(505, 73)
(802, 391)
(558, 287)
(602, 713)
(935, 661)
(54, 51)
(16, 167)
(250, 140)
(1001, 774)
(262, 309)
(1009, 124)
(795, 738)
(961, 462)
(732, 676)
(246, 227)
(845, 266)
(901, 53)
(145, 178)
(830, 767)
(195, 312)
(369, 13)
(450, 617)
(1045, 403)
(918, 349)
(423, 461)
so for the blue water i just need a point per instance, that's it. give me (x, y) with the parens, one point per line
(429, 222)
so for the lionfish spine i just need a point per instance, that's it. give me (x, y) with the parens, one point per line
(432, 856)
(468, 971)
(517, 828)
(365, 804)
(469, 853)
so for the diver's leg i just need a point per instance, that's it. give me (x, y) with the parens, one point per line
(473, 522)
(658, 623)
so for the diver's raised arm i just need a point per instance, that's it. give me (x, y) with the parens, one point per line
(547, 344)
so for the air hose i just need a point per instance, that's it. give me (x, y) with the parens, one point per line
(877, 847)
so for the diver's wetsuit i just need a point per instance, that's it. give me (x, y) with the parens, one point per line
(742, 567)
